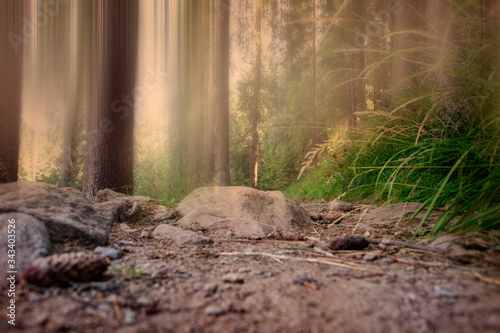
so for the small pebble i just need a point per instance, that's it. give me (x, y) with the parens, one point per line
(124, 226)
(369, 257)
(109, 252)
(390, 278)
(216, 310)
(233, 278)
(129, 317)
(386, 261)
(244, 270)
(210, 288)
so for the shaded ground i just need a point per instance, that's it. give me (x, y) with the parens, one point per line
(276, 285)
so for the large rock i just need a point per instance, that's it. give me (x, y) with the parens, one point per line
(29, 240)
(243, 211)
(65, 212)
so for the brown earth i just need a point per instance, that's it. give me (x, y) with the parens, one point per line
(284, 284)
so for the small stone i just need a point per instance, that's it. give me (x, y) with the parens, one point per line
(216, 310)
(316, 216)
(382, 246)
(124, 226)
(145, 234)
(210, 288)
(366, 234)
(230, 234)
(386, 261)
(244, 270)
(109, 252)
(233, 278)
(129, 317)
(390, 278)
(369, 257)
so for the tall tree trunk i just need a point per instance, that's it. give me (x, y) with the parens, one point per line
(445, 48)
(223, 178)
(313, 60)
(257, 96)
(211, 94)
(404, 43)
(109, 151)
(12, 40)
(74, 83)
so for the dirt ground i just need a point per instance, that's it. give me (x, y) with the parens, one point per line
(275, 285)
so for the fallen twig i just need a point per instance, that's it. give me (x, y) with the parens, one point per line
(407, 245)
(486, 279)
(327, 261)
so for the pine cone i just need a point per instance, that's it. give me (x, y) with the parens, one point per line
(58, 270)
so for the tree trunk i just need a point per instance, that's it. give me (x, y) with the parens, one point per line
(109, 150)
(441, 16)
(211, 95)
(12, 41)
(223, 178)
(257, 97)
(313, 60)
(404, 42)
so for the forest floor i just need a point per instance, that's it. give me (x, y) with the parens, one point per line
(275, 285)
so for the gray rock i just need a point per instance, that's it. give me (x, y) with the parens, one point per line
(65, 212)
(244, 211)
(109, 252)
(31, 242)
(180, 236)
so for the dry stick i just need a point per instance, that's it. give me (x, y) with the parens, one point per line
(402, 215)
(327, 262)
(486, 279)
(357, 223)
(407, 245)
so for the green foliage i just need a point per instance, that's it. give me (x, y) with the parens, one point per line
(421, 151)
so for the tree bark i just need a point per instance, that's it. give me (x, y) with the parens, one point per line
(223, 178)
(109, 150)
(404, 44)
(313, 61)
(257, 97)
(12, 40)
(445, 48)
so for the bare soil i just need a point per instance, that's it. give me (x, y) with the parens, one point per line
(275, 285)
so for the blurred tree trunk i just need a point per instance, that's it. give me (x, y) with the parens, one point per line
(405, 42)
(313, 63)
(380, 76)
(257, 96)
(76, 43)
(223, 178)
(211, 93)
(12, 41)
(109, 150)
(445, 49)
(354, 56)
